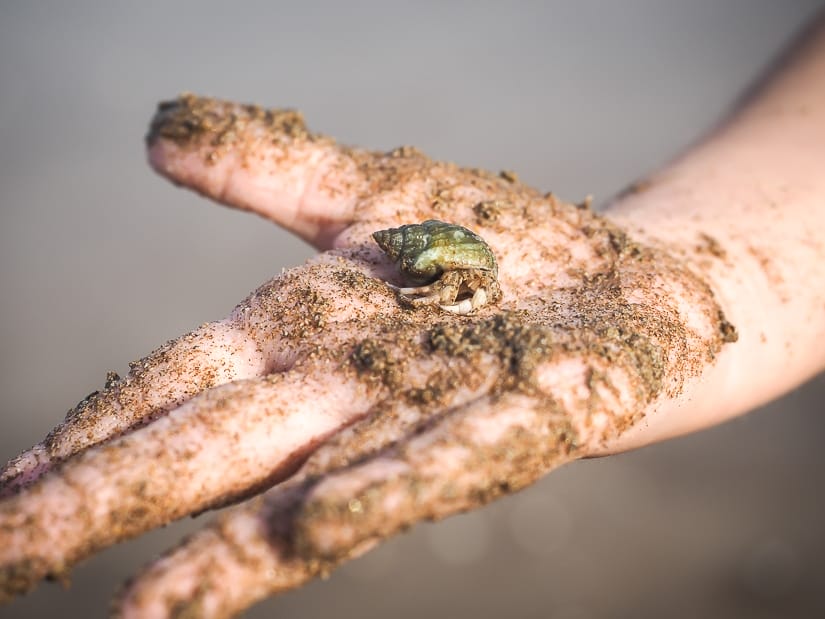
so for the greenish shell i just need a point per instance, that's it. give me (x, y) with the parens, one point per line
(424, 251)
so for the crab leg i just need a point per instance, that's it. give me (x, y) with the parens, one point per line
(416, 289)
(466, 306)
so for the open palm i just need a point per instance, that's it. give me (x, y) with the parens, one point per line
(354, 413)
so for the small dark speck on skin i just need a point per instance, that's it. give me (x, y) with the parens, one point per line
(709, 245)
(489, 211)
(635, 188)
(586, 204)
(509, 176)
(191, 608)
(111, 379)
(772, 272)
(17, 579)
(728, 331)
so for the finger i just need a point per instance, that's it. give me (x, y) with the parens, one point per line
(568, 400)
(250, 548)
(214, 354)
(246, 554)
(221, 444)
(493, 447)
(220, 570)
(475, 448)
(269, 546)
(284, 319)
(232, 425)
(265, 161)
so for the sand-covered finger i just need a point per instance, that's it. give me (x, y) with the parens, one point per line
(223, 444)
(494, 446)
(233, 562)
(214, 354)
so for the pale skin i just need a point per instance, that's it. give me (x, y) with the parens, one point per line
(349, 415)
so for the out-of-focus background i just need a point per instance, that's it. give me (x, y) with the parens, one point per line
(100, 261)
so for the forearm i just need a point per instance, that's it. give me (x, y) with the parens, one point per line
(746, 209)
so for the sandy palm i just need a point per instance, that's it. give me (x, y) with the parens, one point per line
(357, 414)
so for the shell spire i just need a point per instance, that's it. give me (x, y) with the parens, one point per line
(391, 241)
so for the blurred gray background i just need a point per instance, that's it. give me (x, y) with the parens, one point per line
(100, 261)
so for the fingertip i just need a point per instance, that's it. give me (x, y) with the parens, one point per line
(24, 470)
(191, 119)
(192, 139)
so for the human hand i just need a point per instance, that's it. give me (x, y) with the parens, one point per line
(366, 414)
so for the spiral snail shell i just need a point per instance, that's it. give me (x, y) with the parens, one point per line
(455, 262)
(424, 251)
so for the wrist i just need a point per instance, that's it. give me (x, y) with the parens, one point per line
(742, 212)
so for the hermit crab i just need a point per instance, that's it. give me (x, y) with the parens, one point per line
(454, 267)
